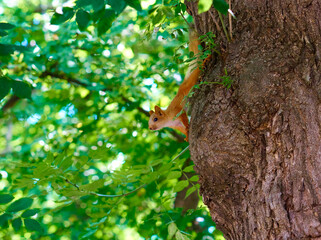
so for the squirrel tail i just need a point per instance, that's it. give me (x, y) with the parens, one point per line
(193, 41)
(193, 47)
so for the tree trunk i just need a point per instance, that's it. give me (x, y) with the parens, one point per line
(257, 146)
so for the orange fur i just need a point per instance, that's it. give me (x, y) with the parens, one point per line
(166, 118)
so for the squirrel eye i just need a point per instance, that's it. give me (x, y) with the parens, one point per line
(155, 119)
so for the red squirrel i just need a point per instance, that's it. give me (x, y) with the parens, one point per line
(166, 118)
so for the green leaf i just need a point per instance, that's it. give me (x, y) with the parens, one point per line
(181, 236)
(89, 233)
(57, 18)
(6, 26)
(4, 219)
(30, 212)
(106, 21)
(93, 186)
(33, 225)
(20, 204)
(101, 221)
(134, 4)
(117, 5)
(180, 186)
(156, 162)
(5, 198)
(7, 49)
(189, 169)
(16, 224)
(190, 191)
(158, 17)
(83, 3)
(164, 169)
(82, 19)
(59, 158)
(43, 171)
(81, 161)
(168, 12)
(172, 229)
(67, 162)
(183, 8)
(204, 5)
(98, 5)
(3, 33)
(24, 182)
(5, 86)
(195, 178)
(221, 6)
(21, 89)
(50, 158)
(150, 177)
(174, 175)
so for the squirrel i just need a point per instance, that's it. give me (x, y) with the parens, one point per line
(166, 118)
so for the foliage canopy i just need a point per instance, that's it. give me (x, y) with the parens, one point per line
(76, 157)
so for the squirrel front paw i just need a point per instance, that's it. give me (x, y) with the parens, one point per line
(186, 139)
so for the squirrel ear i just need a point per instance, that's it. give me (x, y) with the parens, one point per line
(158, 110)
(151, 112)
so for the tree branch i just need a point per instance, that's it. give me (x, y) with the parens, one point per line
(14, 99)
(64, 77)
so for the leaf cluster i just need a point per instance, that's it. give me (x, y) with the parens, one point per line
(77, 159)
(14, 216)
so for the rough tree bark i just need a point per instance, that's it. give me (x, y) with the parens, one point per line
(257, 146)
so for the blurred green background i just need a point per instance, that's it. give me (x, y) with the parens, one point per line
(77, 81)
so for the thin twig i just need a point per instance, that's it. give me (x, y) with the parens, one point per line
(223, 25)
(179, 154)
(190, 25)
(122, 195)
(216, 23)
(230, 21)
(74, 184)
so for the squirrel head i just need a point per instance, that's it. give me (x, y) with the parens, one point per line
(157, 119)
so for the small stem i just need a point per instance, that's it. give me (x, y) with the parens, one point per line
(185, 20)
(180, 154)
(122, 195)
(230, 20)
(190, 182)
(74, 184)
(216, 23)
(224, 28)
